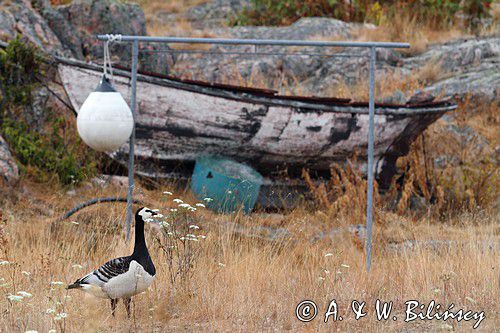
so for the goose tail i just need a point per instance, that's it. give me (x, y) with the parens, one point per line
(74, 286)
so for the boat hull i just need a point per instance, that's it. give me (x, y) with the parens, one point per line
(177, 121)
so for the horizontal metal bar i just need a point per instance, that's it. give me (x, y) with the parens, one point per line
(239, 41)
(327, 55)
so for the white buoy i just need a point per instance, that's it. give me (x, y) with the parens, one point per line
(105, 121)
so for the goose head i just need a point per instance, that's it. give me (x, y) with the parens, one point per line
(146, 214)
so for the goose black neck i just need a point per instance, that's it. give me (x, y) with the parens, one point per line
(140, 249)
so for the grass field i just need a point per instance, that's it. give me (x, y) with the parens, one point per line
(239, 283)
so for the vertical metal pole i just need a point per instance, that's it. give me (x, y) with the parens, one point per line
(130, 199)
(371, 138)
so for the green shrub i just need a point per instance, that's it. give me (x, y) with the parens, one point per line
(52, 151)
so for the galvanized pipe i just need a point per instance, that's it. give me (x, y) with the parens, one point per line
(240, 41)
(371, 139)
(131, 184)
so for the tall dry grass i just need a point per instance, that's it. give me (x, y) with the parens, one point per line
(240, 283)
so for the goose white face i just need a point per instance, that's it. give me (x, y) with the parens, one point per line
(147, 213)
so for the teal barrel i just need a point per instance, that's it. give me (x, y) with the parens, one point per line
(230, 185)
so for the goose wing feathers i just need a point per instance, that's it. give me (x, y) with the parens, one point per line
(106, 272)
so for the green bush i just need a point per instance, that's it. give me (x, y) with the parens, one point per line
(53, 151)
(437, 13)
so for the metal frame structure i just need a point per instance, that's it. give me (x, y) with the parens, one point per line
(372, 46)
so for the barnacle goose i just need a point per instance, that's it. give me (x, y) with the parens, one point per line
(123, 277)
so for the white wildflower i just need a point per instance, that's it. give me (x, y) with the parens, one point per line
(327, 271)
(164, 224)
(173, 209)
(50, 311)
(57, 318)
(159, 216)
(24, 294)
(229, 192)
(167, 192)
(190, 237)
(4, 262)
(345, 266)
(199, 204)
(63, 315)
(26, 273)
(75, 223)
(222, 265)
(208, 199)
(321, 278)
(15, 298)
(437, 290)
(177, 200)
(193, 226)
(56, 283)
(192, 209)
(202, 236)
(184, 205)
(328, 254)
(77, 266)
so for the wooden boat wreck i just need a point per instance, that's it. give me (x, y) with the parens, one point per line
(177, 120)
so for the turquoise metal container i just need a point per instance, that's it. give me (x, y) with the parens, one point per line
(230, 185)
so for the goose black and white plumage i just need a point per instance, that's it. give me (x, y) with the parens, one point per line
(123, 277)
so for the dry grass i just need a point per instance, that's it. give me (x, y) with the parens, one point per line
(240, 283)
(152, 7)
(405, 28)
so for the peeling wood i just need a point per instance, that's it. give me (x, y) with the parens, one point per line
(177, 121)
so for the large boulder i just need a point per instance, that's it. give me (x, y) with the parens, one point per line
(271, 67)
(70, 30)
(461, 67)
(19, 17)
(77, 24)
(8, 167)
(214, 13)
(466, 67)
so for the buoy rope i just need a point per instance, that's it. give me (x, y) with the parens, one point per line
(107, 57)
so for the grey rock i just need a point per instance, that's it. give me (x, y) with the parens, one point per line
(106, 180)
(215, 13)
(398, 97)
(40, 98)
(19, 17)
(421, 97)
(466, 66)
(287, 69)
(70, 30)
(9, 171)
(305, 28)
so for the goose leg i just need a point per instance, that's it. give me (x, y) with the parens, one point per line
(127, 301)
(113, 306)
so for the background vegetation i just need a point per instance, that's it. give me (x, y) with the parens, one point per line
(46, 144)
(435, 13)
